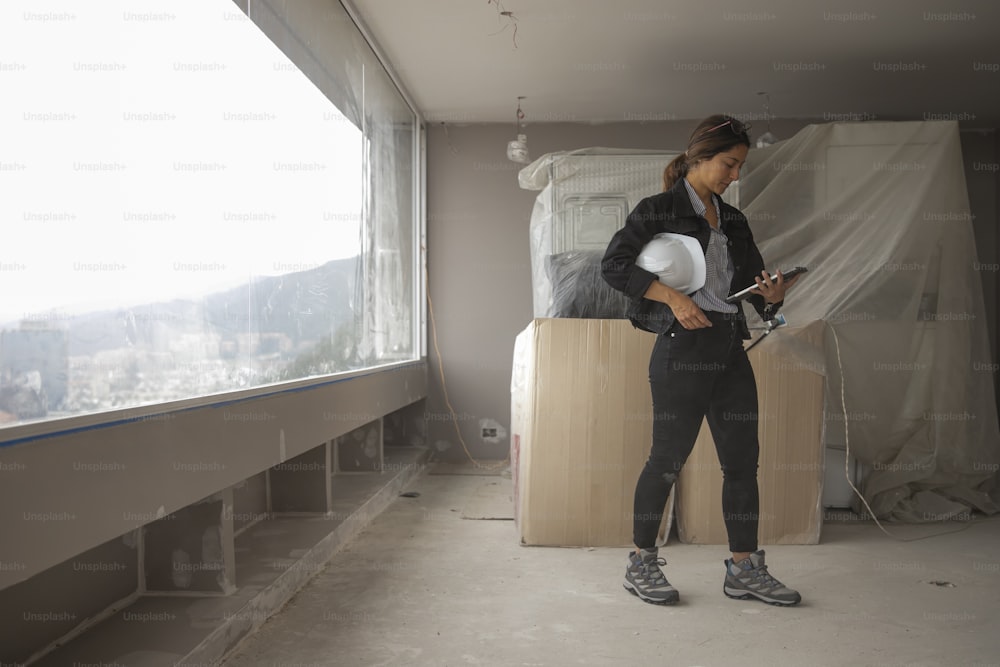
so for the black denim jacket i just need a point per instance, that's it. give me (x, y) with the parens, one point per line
(671, 211)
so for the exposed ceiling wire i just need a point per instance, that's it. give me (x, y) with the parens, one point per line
(768, 137)
(505, 18)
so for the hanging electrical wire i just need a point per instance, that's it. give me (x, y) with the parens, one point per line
(447, 138)
(767, 138)
(506, 18)
(517, 150)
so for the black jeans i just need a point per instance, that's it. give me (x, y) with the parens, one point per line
(693, 375)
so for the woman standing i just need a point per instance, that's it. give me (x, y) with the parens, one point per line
(698, 368)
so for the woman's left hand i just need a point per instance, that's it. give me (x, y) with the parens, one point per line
(773, 291)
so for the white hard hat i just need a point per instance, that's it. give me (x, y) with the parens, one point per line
(677, 259)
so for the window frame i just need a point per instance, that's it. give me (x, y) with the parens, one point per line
(61, 426)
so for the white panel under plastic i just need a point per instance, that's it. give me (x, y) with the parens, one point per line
(588, 222)
(585, 197)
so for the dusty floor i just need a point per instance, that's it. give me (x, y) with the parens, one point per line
(423, 586)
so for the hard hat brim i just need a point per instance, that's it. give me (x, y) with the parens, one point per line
(696, 263)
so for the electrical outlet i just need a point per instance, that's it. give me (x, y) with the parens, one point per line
(489, 433)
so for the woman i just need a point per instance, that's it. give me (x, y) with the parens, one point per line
(698, 367)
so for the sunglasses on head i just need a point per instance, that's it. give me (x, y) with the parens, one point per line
(738, 127)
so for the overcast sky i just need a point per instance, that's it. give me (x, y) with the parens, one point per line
(154, 150)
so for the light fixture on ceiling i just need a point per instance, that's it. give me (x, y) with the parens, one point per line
(517, 150)
(767, 138)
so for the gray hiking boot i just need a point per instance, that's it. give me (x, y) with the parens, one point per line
(644, 578)
(749, 578)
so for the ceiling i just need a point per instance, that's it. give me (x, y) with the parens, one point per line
(634, 60)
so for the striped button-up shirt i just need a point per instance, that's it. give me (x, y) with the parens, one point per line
(718, 265)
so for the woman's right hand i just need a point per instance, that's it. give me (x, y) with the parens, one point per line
(684, 308)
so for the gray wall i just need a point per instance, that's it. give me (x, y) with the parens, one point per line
(38, 611)
(480, 269)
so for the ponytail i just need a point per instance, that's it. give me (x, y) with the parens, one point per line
(675, 171)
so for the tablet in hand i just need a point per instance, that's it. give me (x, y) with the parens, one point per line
(744, 293)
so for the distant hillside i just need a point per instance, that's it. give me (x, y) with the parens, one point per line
(303, 305)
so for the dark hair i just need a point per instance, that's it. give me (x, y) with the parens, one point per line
(714, 135)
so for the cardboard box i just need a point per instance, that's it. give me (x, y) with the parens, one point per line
(790, 387)
(581, 428)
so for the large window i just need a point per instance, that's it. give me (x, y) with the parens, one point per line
(196, 200)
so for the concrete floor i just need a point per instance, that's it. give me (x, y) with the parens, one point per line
(422, 586)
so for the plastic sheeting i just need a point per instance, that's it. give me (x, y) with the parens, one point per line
(879, 213)
(585, 197)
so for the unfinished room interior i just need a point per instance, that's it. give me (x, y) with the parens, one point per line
(462, 332)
